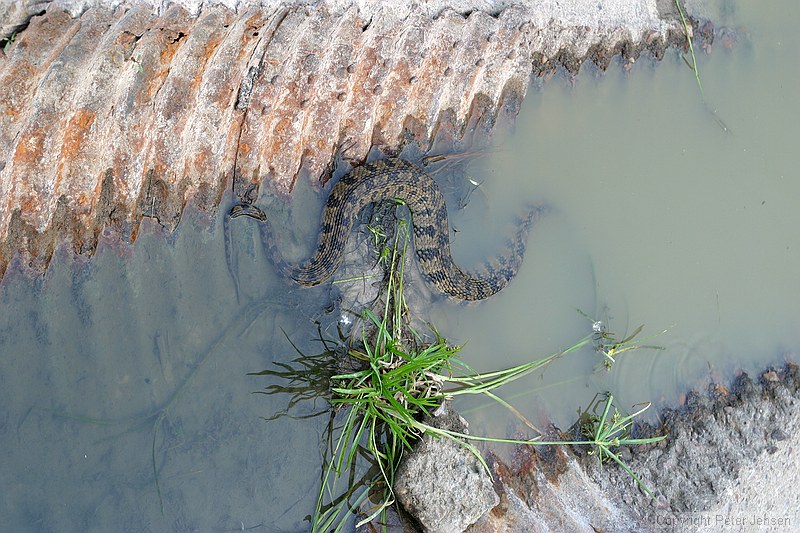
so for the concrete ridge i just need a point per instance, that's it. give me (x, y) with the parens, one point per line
(134, 111)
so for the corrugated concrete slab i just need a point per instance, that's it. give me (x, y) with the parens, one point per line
(115, 111)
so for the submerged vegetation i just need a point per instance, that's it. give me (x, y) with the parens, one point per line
(688, 33)
(687, 29)
(385, 384)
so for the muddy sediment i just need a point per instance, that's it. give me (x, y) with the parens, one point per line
(134, 112)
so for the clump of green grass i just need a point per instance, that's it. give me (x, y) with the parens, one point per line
(8, 42)
(610, 430)
(398, 381)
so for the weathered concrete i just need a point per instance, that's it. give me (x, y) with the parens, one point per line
(111, 115)
(731, 455)
(730, 463)
(549, 489)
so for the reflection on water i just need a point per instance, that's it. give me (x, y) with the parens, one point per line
(136, 362)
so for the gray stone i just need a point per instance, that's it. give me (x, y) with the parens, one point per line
(441, 483)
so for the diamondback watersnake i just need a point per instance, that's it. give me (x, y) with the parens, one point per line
(398, 179)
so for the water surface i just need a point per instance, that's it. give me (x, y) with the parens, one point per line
(682, 215)
(133, 367)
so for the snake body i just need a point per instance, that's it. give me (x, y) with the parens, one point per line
(397, 179)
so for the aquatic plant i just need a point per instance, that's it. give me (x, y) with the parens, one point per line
(397, 381)
(688, 33)
(604, 433)
(607, 344)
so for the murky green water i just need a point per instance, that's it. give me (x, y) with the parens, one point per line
(684, 226)
(136, 361)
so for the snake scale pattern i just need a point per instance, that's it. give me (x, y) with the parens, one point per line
(397, 179)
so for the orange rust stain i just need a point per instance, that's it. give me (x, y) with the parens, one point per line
(125, 40)
(29, 203)
(720, 390)
(148, 84)
(7, 109)
(29, 148)
(202, 161)
(194, 84)
(219, 94)
(208, 51)
(21, 71)
(83, 200)
(76, 132)
(283, 126)
(252, 26)
(171, 45)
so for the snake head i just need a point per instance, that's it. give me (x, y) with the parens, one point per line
(247, 210)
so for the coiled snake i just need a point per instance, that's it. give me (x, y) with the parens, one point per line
(399, 179)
